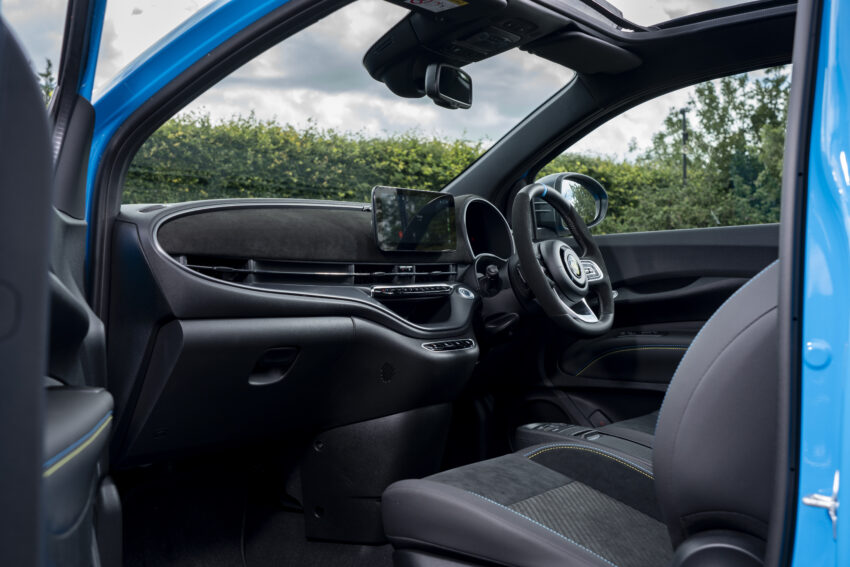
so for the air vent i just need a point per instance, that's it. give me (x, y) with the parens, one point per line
(545, 215)
(268, 273)
(400, 274)
(374, 274)
(274, 273)
(435, 273)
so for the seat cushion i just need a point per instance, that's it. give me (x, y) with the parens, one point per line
(555, 504)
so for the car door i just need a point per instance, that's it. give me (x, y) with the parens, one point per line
(688, 224)
(668, 284)
(77, 506)
(816, 264)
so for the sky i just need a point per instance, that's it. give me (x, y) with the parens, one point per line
(317, 74)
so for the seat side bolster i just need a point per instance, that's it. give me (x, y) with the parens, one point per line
(77, 427)
(423, 514)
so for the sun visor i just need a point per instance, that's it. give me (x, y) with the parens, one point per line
(584, 53)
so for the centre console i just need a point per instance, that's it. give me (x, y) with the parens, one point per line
(540, 433)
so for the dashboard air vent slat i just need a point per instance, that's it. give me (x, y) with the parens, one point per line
(268, 273)
(399, 274)
(375, 274)
(274, 273)
(435, 273)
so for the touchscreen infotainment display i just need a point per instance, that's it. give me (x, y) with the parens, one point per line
(413, 221)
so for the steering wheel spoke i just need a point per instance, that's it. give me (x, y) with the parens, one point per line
(583, 311)
(580, 310)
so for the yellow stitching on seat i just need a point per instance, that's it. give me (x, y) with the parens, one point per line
(628, 349)
(60, 463)
(590, 450)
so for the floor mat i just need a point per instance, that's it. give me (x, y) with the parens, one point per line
(277, 538)
(196, 516)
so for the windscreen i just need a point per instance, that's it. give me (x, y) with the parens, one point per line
(413, 221)
(305, 120)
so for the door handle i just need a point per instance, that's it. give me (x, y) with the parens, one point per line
(273, 366)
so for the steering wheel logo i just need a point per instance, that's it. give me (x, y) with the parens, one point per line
(574, 266)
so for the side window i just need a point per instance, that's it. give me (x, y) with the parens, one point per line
(38, 26)
(705, 156)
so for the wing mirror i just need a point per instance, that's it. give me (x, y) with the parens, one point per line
(583, 192)
(448, 86)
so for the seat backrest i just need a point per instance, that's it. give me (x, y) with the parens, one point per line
(25, 195)
(715, 444)
(55, 420)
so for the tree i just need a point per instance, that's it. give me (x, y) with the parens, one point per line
(735, 147)
(735, 152)
(47, 81)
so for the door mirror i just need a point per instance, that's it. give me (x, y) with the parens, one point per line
(448, 86)
(585, 194)
(581, 199)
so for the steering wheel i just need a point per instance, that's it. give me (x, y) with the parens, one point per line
(562, 278)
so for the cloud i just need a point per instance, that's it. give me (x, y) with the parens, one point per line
(648, 13)
(318, 75)
(638, 124)
(39, 26)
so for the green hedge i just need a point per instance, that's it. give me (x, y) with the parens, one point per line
(193, 158)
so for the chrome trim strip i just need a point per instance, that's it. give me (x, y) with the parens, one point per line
(447, 289)
(466, 229)
(595, 267)
(472, 345)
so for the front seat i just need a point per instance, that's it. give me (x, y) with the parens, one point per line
(702, 498)
(80, 512)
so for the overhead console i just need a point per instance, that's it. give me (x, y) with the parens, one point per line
(454, 32)
(460, 32)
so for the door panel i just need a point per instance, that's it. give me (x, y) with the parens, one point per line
(683, 275)
(668, 284)
(647, 354)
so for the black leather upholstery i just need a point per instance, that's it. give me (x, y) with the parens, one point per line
(640, 430)
(577, 503)
(25, 196)
(77, 427)
(64, 452)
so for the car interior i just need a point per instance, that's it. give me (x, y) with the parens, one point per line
(469, 377)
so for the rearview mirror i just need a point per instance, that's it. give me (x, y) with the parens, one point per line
(448, 86)
(585, 194)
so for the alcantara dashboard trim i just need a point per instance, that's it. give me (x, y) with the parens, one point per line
(172, 212)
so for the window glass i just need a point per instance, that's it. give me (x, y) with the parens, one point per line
(306, 120)
(709, 155)
(129, 28)
(38, 25)
(647, 13)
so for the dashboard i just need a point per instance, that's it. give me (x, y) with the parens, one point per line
(257, 317)
(331, 250)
